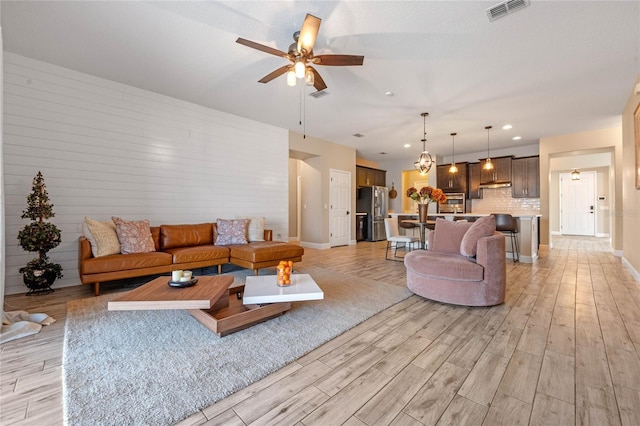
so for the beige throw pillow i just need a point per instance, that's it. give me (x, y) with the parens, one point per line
(102, 236)
(256, 227)
(134, 236)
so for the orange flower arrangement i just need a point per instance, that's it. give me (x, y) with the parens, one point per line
(426, 195)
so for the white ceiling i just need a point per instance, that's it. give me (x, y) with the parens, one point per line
(552, 68)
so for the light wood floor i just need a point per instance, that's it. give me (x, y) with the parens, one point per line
(562, 350)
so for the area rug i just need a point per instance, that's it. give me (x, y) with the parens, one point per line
(158, 367)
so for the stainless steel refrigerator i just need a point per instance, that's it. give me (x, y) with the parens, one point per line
(374, 201)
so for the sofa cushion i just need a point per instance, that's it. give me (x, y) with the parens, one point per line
(256, 228)
(264, 251)
(119, 262)
(448, 235)
(198, 253)
(232, 232)
(102, 236)
(483, 227)
(134, 236)
(444, 266)
(173, 236)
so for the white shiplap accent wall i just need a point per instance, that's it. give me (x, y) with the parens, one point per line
(107, 149)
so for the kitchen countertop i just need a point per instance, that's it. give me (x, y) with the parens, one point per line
(517, 215)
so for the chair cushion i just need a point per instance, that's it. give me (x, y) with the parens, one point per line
(444, 266)
(119, 262)
(198, 253)
(483, 227)
(174, 236)
(448, 235)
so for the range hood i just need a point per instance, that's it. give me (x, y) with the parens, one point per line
(496, 184)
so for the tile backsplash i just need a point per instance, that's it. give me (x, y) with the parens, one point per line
(499, 200)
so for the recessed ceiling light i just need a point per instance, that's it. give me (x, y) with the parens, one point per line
(407, 145)
(383, 153)
(507, 127)
(517, 138)
(388, 93)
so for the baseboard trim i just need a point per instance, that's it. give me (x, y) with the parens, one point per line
(319, 246)
(634, 273)
(556, 233)
(293, 239)
(353, 242)
(617, 253)
(601, 234)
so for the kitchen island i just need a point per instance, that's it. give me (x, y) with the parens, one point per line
(528, 225)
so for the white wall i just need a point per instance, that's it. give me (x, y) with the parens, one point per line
(630, 215)
(2, 227)
(106, 149)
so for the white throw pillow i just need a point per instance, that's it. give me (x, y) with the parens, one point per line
(256, 227)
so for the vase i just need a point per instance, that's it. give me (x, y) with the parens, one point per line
(422, 212)
(40, 283)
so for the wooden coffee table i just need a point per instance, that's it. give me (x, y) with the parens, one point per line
(210, 301)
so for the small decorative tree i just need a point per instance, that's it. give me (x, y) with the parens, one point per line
(39, 236)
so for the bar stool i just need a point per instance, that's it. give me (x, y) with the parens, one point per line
(407, 225)
(508, 225)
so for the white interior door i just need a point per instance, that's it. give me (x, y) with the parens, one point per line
(577, 204)
(340, 208)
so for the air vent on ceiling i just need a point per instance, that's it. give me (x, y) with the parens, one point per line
(319, 94)
(503, 9)
(358, 135)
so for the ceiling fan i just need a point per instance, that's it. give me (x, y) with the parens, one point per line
(301, 56)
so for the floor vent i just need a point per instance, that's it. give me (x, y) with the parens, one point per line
(319, 94)
(505, 8)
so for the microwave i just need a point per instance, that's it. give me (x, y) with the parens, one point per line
(455, 203)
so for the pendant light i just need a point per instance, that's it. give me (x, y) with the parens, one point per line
(575, 174)
(488, 165)
(453, 169)
(424, 163)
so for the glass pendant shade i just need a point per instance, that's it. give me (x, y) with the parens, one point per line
(488, 165)
(425, 161)
(309, 78)
(299, 68)
(291, 78)
(575, 175)
(453, 169)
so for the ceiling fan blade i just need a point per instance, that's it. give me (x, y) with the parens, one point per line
(338, 60)
(277, 73)
(308, 33)
(261, 47)
(318, 82)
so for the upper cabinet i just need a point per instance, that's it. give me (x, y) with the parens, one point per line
(452, 182)
(475, 170)
(525, 180)
(366, 176)
(501, 172)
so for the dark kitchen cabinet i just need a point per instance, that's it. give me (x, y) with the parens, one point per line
(367, 176)
(501, 172)
(525, 177)
(475, 192)
(452, 182)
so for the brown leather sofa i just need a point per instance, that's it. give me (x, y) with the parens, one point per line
(183, 247)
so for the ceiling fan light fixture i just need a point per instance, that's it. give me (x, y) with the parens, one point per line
(425, 161)
(291, 77)
(309, 78)
(299, 69)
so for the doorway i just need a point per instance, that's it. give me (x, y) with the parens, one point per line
(339, 208)
(577, 204)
